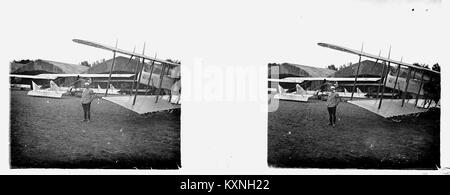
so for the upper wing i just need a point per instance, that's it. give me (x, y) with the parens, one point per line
(102, 46)
(54, 76)
(356, 52)
(33, 76)
(332, 78)
(302, 79)
(86, 75)
(287, 80)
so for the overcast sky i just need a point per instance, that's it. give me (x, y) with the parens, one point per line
(226, 32)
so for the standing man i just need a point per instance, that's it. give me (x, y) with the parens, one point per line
(86, 98)
(332, 102)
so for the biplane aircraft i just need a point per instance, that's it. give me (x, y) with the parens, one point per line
(407, 79)
(303, 95)
(298, 95)
(48, 92)
(55, 91)
(163, 84)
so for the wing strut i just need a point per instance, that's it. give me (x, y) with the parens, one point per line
(150, 77)
(167, 73)
(385, 78)
(357, 72)
(161, 77)
(381, 78)
(420, 88)
(396, 79)
(406, 87)
(413, 76)
(129, 60)
(136, 68)
(110, 70)
(140, 75)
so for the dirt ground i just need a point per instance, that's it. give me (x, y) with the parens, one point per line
(49, 133)
(299, 136)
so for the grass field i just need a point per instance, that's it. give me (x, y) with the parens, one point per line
(48, 133)
(299, 136)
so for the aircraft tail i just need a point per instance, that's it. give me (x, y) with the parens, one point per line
(358, 90)
(54, 86)
(345, 90)
(300, 90)
(99, 88)
(280, 89)
(35, 86)
(112, 87)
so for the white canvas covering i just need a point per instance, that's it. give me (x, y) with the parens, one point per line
(281, 90)
(35, 86)
(413, 86)
(273, 90)
(51, 92)
(300, 90)
(302, 79)
(55, 87)
(45, 93)
(358, 90)
(389, 107)
(292, 97)
(144, 104)
(299, 95)
(167, 81)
